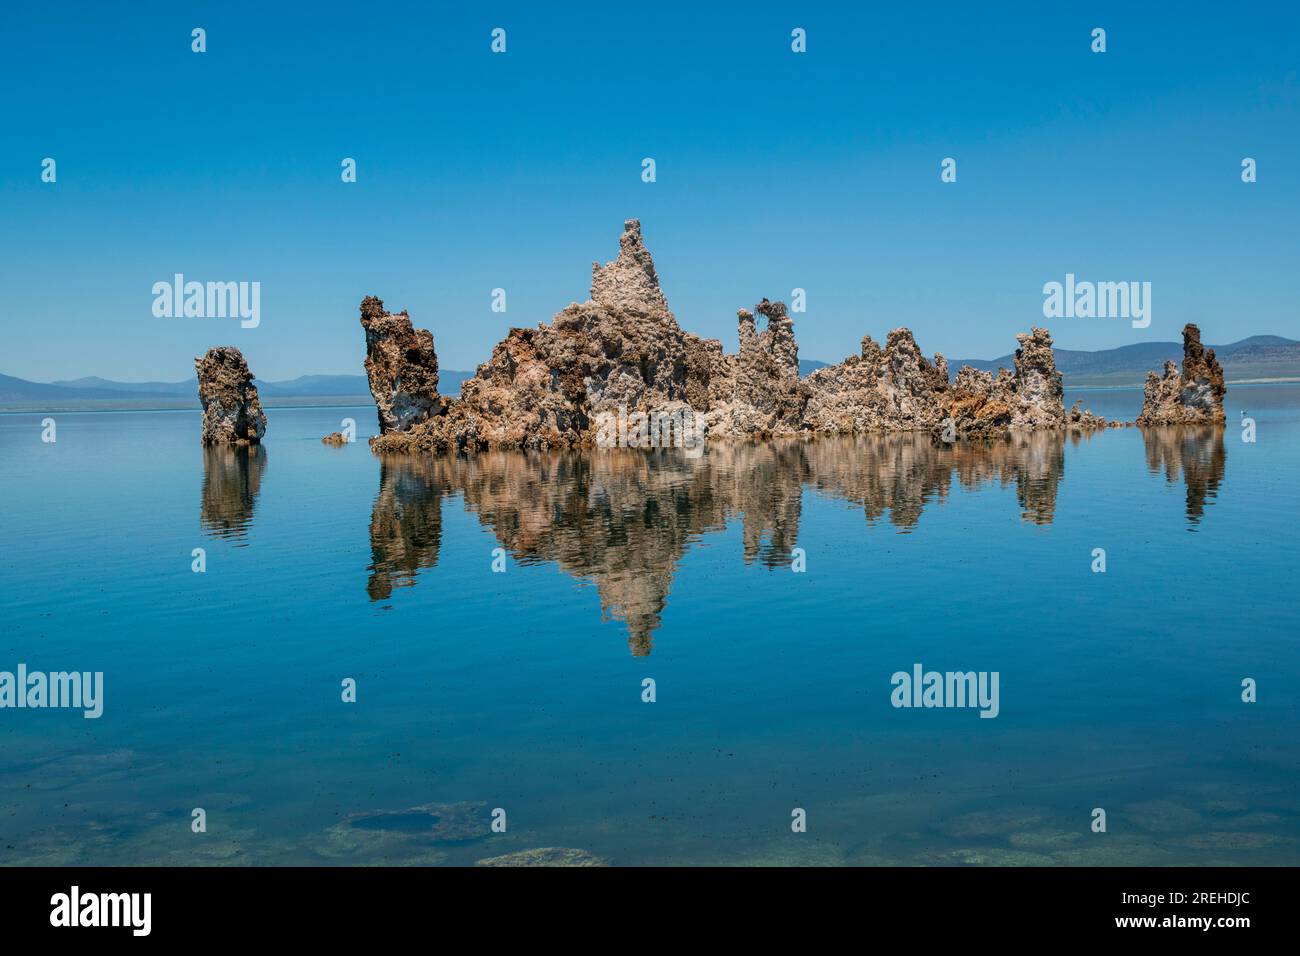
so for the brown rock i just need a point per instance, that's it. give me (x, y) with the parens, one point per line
(758, 392)
(890, 389)
(1081, 418)
(1036, 397)
(1193, 396)
(232, 413)
(336, 439)
(629, 283)
(402, 368)
(622, 353)
(897, 389)
(546, 856)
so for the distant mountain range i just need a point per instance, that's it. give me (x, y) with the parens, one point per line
(1258, 357)
(104, 393)
(1255, 358)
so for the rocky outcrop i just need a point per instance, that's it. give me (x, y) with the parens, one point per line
(335, 440)
(1030, 397)
(622, 354)
(758, 392)
(1192, 396)
(1036, 393)
(978, 406)
(879, 390)
(1080, 419)
(232, 413)
(897, 389)
(401, 366)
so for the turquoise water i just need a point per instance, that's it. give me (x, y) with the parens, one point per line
(522, 690)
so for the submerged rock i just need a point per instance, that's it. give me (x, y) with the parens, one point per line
(462, 822)
(232, 413)
(545, 856)
(1192, 396)
(621, 354)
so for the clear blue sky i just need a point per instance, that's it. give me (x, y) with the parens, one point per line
(775, 170)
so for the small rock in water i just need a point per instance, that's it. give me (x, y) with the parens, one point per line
(546, 856)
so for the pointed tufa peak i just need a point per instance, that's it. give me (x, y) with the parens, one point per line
(901, 342)
(1035, 355)
(1037, 391)
(870, 351)
(1199, 362)
(630, 282)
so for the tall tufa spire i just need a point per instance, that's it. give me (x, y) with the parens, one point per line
(630, 282)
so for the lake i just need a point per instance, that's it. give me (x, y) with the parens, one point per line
(518, 694)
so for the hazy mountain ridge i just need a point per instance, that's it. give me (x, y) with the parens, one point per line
(184, 394)
(1256, 357)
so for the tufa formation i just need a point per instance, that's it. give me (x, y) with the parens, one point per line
(401, 366)
(622, 352)
(232, 414)
(1193, 396)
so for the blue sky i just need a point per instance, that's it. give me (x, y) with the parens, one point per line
(775, 170)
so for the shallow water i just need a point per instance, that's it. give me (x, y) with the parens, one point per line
(522, 690)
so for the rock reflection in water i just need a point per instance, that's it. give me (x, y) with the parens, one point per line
(232, 478)
(897, 475)
(623, 519)
(1197, 454)
(405, 524)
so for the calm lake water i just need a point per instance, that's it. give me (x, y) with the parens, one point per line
(523, 690)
